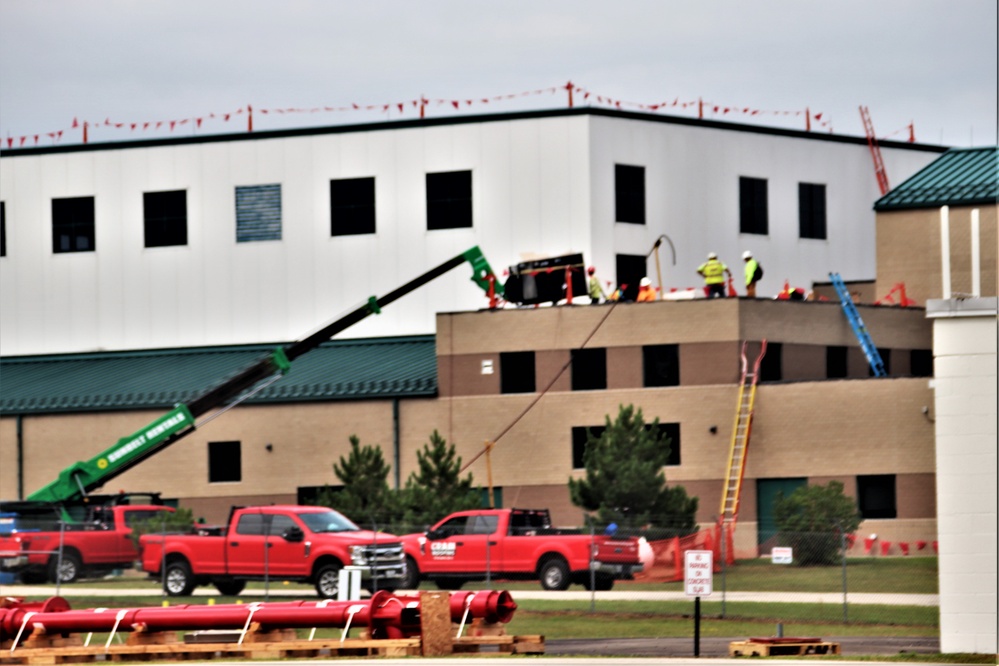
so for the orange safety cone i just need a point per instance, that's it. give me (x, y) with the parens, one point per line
(732, 293)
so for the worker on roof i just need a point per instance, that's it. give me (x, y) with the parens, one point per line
(596, 291)
(646, 292)
(713, 272)
(754, 272)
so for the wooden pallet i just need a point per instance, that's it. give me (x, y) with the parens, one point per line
(781, 647)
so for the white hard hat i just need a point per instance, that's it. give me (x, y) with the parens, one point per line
(645, 282)
(747, 255)
(712, 255)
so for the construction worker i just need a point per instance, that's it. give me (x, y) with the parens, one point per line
(712, 270)
(646, 293)
(753, 273)
(596, 291)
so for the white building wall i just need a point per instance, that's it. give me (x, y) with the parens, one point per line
(964, 351)
(541, 186)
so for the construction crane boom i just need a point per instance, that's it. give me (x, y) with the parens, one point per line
(872, 144)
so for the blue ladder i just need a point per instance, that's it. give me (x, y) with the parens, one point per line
(873, 357)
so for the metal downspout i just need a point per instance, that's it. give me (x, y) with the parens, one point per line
(395, 442)
(20, 456)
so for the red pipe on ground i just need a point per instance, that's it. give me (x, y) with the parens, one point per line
(384, 614)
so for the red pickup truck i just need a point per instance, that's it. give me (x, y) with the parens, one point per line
(13, 555)
(516, 544)
(295, 543)
(98, 545)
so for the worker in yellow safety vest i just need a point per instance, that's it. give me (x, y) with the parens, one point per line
(713, 271)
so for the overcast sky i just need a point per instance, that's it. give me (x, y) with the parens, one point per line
(927, 62)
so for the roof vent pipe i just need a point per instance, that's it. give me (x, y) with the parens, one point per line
(976, 255)
(945, 249)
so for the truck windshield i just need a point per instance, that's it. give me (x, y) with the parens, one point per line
(328, 521)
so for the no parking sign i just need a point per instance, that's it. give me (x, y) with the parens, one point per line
(698, 576)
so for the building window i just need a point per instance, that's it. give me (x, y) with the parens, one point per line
(73, 225)
(629, 194)
(885, 355)
(3, 229)
(449, 200)
(589, 369)
(224, 462)
(352, 206)
(630, 270)
(661, 365)
(836, 365)
(258, 213)
(811, 211)
(165, 218)
(921, 362)
(771, 368)
(312, 494)
(580, 435)
(753, 206)
(876, 496)
(517, 372)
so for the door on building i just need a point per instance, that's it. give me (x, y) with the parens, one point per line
(766, 495)
(630, 271)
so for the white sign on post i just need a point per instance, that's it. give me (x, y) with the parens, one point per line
(781, 555)
(698, 572)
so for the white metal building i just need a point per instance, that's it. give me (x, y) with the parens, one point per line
(262, 237)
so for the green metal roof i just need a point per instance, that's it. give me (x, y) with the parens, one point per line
(959, 177)
(337, 370)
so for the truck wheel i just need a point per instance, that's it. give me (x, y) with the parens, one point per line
(554, 574)
(230, 588)
(412, 578)
(178, 580)
(67, 571)
(328, 581)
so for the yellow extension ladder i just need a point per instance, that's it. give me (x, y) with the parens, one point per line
(740, 438)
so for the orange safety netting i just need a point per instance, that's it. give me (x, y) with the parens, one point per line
(667, 564)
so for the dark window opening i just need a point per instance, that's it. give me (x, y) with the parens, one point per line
(165, 217)
(885, 355)
(517, 372)
(258, 213)
(661, 365)
(836, 364)
(224, 462)
(876, 496)
(811, 211)
(449, 200)
(589, 369)
(629, 194)
(580, 436)
(352, 206)
(753, 206)
(309, 495)
(921, 362)
(73, 225)
(771, 367)
(630, 270)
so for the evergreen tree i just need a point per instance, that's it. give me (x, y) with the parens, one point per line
(625, 482)
(812, 521)
(437, 488)
(365, 497)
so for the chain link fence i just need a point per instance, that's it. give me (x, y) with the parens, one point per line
(796, 578)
